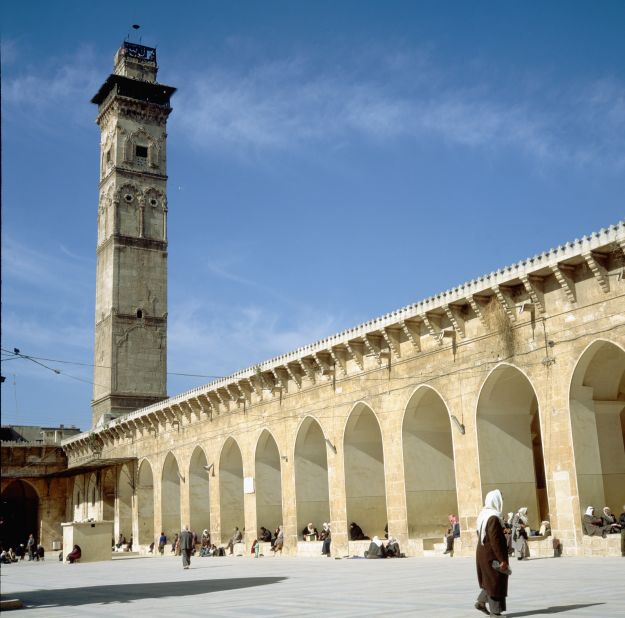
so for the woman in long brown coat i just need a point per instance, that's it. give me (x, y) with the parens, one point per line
(492, 546)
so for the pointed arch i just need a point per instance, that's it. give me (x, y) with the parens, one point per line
(145, 503)
(312, 495)
(19, 509)
(268, 482)
(125, 492)
(199, 498)
(232, 512)
(108, 495)
(510, 442)
(429, 470)
(597, 409)
(93, 498)
(365, 488)
(170, 496)
(78, 498)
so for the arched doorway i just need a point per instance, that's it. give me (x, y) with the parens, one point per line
(125, 491)
(92, 498)
(311, 475)
(510, 443)
(145, 503)
(78, 496)
(268, 483)
(20, 514)
(231, 489)
(199, 506)
(108, 495)
(170, 497)
(428, 464)
(597, 404)
(364, 472)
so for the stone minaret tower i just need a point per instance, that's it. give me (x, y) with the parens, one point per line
(131, 285)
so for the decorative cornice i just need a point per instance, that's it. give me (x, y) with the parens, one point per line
(548, 262)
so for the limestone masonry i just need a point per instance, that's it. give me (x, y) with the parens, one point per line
(513, 380)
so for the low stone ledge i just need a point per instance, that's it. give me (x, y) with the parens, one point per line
(598, 546)
(357, 548)
(239, 549)
(309, 549)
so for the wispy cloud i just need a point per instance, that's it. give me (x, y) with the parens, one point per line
(288, 106)
(213, 339)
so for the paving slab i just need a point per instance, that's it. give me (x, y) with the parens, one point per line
(282, 586)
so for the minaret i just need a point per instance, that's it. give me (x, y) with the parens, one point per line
(130, 354)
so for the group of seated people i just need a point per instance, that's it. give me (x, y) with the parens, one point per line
(378, 550)
(603, 525)
(276, 540)
(122, 544)
(7, 556)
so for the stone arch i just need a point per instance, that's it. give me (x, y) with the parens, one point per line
(145, 503)
(129, 199)
(20, 513)
(597, 408)
(108, 495)
(365, 489)
(510, 443)
(199, 502)
(312, 494)
(232, 512)
(93, 498)
(77, 499)
(125, 491)
(141, 137)
(268, 482)
(429, 470)
(170, 496)
(154, 201)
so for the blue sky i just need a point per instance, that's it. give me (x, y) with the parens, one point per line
(328, 162)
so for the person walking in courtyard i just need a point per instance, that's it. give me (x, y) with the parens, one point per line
(31, 548)
(162, 541)
(491, 557)
(186, 546)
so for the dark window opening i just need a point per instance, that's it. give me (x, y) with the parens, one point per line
(108, 155)
(141, 151)
(139, 313)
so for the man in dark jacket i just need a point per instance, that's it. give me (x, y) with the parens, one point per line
(186, 546)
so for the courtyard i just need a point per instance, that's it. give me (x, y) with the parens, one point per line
(283, 586)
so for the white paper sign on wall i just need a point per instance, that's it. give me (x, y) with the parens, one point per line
(248, 485)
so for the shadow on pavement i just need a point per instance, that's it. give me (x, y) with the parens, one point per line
(556, 609)
(125, 593)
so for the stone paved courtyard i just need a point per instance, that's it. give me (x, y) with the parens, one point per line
(283, 586)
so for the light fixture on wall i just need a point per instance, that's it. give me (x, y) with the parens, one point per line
(526, 306)
(181, 477)
(284, 458)
(242, 400)
(447, 332)
(458, 424)
(210, 469)
(330, 445)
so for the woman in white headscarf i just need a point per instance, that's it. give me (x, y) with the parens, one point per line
(376, 549)
(491, 546)
(592, 525)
